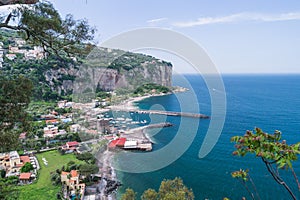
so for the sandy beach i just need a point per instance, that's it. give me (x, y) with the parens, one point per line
(129, 104)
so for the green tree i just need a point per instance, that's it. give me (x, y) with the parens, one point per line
(275, 153)
(149, 194)
(87, 157)
(40, 24)
(8, 189)
(168, 190)
(8, 192)
(128, 195)
(27, 167)
(14, 99)
(88, 169)
(2, 173)
(175, 190)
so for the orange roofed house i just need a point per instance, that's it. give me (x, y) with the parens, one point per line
(25, 177)
(71, 181)
(70, 146)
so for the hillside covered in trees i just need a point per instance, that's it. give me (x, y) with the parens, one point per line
(53, 78)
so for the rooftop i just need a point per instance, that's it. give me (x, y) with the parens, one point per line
(65, 173)
(73, 143)
(74, 173)
(130, 144)
(117, 142)
(14, 155)
(25, 176)
(25, 159)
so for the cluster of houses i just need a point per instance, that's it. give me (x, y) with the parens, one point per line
(51, 130)
(52, 120)
(12, 163)
(35, 53)
(17, 47)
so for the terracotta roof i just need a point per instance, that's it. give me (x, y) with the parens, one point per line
(74, 173)
(117, 142)
(22, 135)
(112, 144)
(25, 159)
(52, 121)
(73, 143)
(121, 142)
(25, 176)
(65, 173)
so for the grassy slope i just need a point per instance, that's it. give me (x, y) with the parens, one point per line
(43, 188)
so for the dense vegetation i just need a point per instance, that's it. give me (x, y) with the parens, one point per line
(168, 190)
(8, 188)
(51, 75)
(128, 61)
(14, 99)
(41, 25)
(151, 88)
(36, 71)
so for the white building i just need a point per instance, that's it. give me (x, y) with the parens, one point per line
(11, 56)
(130, 144)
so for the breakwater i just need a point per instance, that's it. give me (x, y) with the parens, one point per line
(164, 112)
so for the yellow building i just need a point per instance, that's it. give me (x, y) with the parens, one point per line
(71, 181)
(11, 162)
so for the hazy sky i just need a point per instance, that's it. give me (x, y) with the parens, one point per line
(240, 36)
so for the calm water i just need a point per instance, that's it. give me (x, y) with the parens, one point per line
(266, 101)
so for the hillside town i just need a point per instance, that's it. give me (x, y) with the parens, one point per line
(18, 47)
(94, 131)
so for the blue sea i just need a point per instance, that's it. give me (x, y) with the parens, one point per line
(271, 102)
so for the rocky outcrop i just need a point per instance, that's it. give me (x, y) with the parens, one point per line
(113, 69)
(109, 70)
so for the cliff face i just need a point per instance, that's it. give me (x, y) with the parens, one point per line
(110, 79)
(112, 69)
(61, 79)
(106, 69)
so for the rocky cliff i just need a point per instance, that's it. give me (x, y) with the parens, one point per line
(110, 69)
(104, 69)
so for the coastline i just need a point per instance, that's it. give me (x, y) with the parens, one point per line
(129, 104)
(106, 169)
